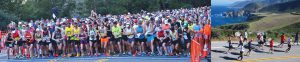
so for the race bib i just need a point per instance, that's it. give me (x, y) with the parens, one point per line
(69, 33)
(185, 37)
(10, 45)
(138, 35)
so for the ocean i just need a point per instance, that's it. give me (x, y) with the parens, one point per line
(218, 19)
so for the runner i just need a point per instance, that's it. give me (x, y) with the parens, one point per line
(230, 47)
(129, 32)
(249, 47)
(140, 38)
(241, 40)
(150, 36)
(21, 41)
(187, 40)
(69, 34)
(175, 41)
(167, 43)
(92, 39)
(289, 45)
(241, 52)
(282, 38)
(46, 42)
(265, 38)
(296, 38)
(161, 36)
(246, 36)
(52, 43)
(260, 41)
(29, 42)
(83, 42)
(39, 40)
(76, 39)
(104, 40)
(58, 38)
(9, 43)
(117, 32)
(271, 46)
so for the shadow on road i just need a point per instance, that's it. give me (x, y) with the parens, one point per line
(235, 53)
(228, 58)
(218, 51)
(278, 50)
(259, 51)
(228, 47)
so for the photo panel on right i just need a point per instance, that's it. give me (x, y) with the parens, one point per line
(255, 30)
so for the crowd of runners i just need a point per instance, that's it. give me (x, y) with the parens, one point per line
(166, 32)
(262, 41)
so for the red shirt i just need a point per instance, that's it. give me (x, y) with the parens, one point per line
(16, 34)
(282, 38)
(160, 34)
(27, 34)
(271, 43)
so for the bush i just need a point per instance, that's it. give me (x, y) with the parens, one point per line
(242, 26)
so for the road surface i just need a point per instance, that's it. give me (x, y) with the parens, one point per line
(279, 55)
(3, 58)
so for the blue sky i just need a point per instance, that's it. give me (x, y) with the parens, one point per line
(223, 2)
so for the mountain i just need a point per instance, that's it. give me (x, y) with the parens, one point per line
(255, 5)
(239, 4)
(291, 6)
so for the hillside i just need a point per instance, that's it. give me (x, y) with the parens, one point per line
(292, 6)
(253, 7)
(274, 21)
(239, 4)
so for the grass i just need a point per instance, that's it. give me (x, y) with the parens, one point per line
(274, 21)
(271, 23)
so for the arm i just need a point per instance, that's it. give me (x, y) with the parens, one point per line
(52, 37)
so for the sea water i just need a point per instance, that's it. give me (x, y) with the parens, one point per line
(218, 19)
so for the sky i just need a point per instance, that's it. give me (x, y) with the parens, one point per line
(223, 2)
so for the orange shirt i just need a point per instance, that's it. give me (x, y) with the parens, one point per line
(166, 27)
(207, 29)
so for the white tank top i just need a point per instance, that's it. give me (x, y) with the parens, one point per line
(128, 31)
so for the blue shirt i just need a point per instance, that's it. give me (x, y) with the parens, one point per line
(196, 27)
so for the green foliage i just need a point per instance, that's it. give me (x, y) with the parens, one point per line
(5, 18)
(241, 26)
(17, 10)
(289, 29)
(222, 33)
(253, 18)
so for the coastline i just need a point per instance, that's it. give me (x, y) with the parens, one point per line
(260, 22)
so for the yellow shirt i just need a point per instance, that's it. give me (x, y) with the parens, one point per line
(76, 32)
(116, 31)
(69, 31)
(191, 27)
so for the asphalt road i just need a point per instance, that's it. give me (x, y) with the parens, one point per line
(3, 58)
(279, 55)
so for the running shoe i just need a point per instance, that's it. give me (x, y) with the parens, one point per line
(55, 55)
(77, 55)
(69, 55)
(96, 54)
(166, 54)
